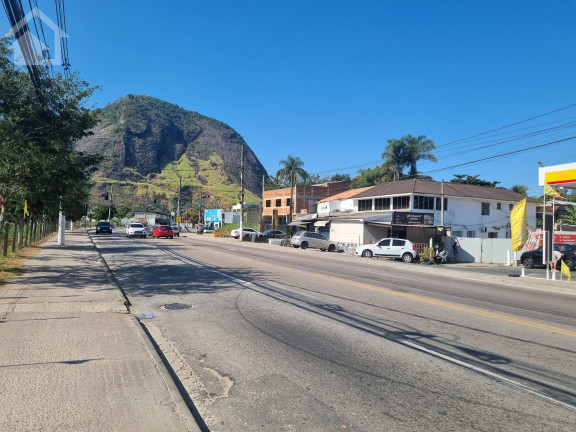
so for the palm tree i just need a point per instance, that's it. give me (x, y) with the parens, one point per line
(290, 173)
(394, 159)
(417, 148)
(406, 152)
(570, 217)
(521, 189)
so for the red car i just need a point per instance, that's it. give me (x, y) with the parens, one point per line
(163, 231)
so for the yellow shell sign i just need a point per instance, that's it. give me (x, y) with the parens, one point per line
(561, 175)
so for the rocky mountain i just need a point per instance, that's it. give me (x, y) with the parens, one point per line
(145, 140)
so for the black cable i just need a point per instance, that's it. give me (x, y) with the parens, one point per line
(41, 35)
(501, 155)
(21, 32)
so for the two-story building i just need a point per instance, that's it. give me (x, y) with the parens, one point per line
(276, 203)
(420, 210)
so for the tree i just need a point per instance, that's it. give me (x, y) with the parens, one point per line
(406, 152)
(316, 179)
(373, 176)
(38, 164)
(570, 217)
(417, 148)
(521, 189)
(394, 160)
(290, 173)
(472, 180)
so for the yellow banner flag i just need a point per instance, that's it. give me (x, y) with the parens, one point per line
(565, 270)
(548, 190)
(26, 208)
(519, 224)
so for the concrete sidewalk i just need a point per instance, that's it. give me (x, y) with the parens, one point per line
(72, 357)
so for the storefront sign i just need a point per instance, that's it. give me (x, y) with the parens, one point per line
(408, 218)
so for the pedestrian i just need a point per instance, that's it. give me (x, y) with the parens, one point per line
(455, 248)
(556, 256)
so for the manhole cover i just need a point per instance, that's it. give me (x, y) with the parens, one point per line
(177, 306)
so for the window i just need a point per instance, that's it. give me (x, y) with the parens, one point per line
(384, 243)
(278, 202)
(485, 209)
(510, 207)
(493, 234)
(268, 203)
(365, 205)
(401, 202)
(498, 206)
(396, 242)
(382, 204)
(439, 204)
(470, 234)
(423, 202)
(287, 202)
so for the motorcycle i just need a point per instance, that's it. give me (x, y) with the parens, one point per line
(441, 256)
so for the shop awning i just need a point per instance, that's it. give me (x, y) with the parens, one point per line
(321, 223)
(298, 224)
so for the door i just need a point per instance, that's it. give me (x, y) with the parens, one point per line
(382, 247)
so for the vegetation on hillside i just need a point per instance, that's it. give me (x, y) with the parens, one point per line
(154, 150)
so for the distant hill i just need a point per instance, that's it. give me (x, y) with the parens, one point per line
(149, 145)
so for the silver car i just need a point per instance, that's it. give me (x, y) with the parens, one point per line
(308, 239)
(175, 229)
(389, 248)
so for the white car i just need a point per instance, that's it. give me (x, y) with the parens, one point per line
(246, 231)
(136, 230)
(389, 248)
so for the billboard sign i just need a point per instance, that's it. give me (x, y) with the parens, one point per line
(213, 215)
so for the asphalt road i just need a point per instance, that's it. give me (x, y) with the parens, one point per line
(277, 339)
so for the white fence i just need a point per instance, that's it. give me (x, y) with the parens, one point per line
(482, 250)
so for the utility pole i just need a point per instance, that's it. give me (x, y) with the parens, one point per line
(289, 218)
(262, 208)
(242, 193)
(442, 207)
(178, 207)
(110, 205)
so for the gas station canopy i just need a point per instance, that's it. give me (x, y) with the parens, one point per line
(558, 175)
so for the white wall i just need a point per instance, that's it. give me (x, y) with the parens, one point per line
(347, 231)
(482, 250)
(465, 214)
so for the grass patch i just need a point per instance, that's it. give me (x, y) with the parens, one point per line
(14, 264)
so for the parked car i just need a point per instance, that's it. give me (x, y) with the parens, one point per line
(309, 239)
(163, 231)
(389, 248)
(175, 229)
(136, 230)
(274, 234)
(246, 231)
(534, 258)
(102, 227)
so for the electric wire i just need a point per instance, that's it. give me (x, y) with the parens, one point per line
(21, 32)
(486, 140)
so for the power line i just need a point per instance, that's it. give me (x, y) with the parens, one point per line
(487, 144)
(513, 124)
(21, 32)
(501, 155)
(62, 33)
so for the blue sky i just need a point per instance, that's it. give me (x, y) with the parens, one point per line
(332, 81)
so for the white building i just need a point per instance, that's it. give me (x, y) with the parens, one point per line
(412, 209)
